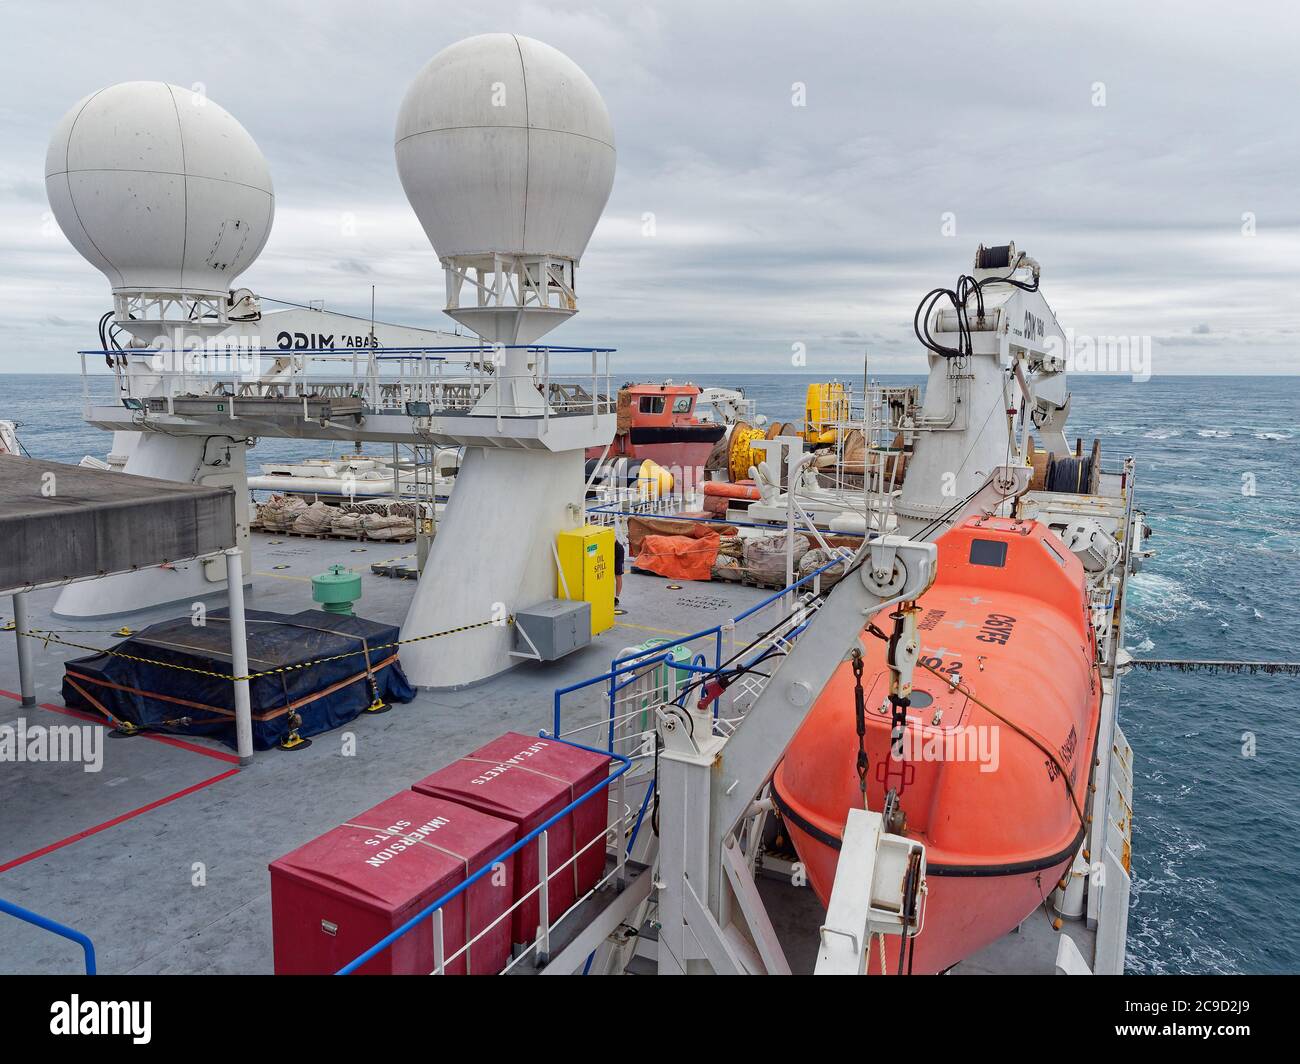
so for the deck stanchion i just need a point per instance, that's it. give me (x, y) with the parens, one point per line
(26, 681)
(239, 656)
(544, 900)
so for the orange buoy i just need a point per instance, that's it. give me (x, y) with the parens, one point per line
(995, 793)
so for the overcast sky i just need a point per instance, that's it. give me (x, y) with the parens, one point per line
(774, 224)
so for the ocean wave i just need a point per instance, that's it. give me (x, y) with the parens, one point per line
(1159, 599)
(1174, 923)
(1214, 434)
(1161, 434)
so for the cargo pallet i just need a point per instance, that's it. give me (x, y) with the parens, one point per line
(746, 578)
(740, 575)
(355, 536)
(729, 574)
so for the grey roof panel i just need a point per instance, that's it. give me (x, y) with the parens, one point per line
(64, 522)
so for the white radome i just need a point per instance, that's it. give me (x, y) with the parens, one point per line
(160, 189)
(504, 145)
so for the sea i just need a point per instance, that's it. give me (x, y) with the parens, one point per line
(1216, 834)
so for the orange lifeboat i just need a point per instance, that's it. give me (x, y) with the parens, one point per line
(995, 796)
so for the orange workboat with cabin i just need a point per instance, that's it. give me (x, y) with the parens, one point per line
(658, 421)
(998, 747)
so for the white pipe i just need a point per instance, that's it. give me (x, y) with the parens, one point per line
(26, 681)
(239, 656)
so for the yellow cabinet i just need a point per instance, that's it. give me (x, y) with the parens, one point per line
(587, 571)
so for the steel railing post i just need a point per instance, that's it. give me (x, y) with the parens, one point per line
(543, 900)
(26, 678)
(239, 656)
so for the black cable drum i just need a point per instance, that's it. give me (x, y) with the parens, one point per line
(998, 258)
(1069, 474)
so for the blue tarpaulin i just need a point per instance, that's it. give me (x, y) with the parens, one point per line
(174, 676)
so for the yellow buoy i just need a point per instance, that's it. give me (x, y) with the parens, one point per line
(653, 480)
(824, 405)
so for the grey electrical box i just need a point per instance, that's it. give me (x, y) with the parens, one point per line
(555, 627)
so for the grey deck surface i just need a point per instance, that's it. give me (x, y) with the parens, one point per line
(135, 887)
(60, 522)
(131, 887)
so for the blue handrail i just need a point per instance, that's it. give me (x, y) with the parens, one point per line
(460, 888)
(613, 510)
(614, 672)
(659, 653)
(655, 655)
(46, 924)
(641, 658)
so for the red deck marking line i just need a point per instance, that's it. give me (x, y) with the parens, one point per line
(115, 821)
(169, 740)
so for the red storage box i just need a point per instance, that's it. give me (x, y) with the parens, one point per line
(527, 780)
(334, 898)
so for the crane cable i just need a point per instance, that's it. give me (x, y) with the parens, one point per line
(958, 686)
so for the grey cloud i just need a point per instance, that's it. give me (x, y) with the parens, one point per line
(775, 222)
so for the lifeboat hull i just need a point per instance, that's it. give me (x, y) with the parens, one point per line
(963, 913)
(995, 768)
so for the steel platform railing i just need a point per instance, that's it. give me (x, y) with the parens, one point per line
(448, 379)
(54, 927)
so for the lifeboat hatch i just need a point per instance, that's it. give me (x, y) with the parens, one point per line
(935, 711)
(934, 705)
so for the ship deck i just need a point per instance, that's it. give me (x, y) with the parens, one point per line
(161, 857)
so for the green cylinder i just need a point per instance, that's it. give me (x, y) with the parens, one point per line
(337, 589)
(671, 680)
